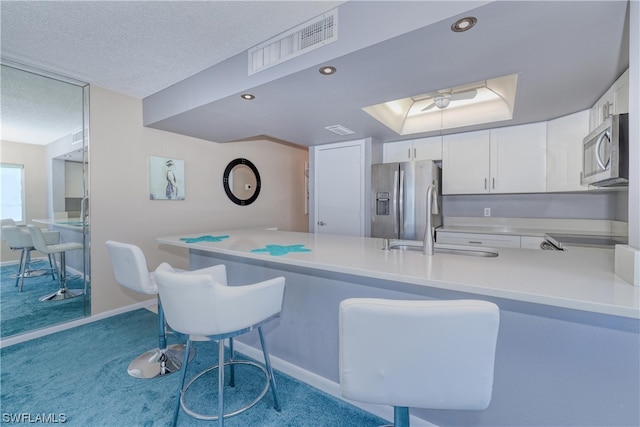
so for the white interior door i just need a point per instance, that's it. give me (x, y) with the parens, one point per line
(339, 195)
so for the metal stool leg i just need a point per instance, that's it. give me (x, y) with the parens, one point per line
(267, 362)
(185, 362)
(221, 383)
(21, 266)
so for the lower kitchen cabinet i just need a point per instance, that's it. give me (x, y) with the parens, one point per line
(477, 239)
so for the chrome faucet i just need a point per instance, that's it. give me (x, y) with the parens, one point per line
(432, 208)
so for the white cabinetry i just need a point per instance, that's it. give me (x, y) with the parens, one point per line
(531, 242)
(518, 159)
(564, 152)
(73, 180)
(413, 149)
(504, 160)
(477, 239)
(465, 163)
(489, 240)
(614, 101)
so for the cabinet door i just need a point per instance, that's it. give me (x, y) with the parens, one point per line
(564, 152)
(465, 163)
(518, 159)
(477, 239)
(401, 151)
(339, 189)
(427, 148)
(621, 94)
(530, 242)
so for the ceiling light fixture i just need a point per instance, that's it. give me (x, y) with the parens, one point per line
(464, 24)
(327, 70)
(247, 96)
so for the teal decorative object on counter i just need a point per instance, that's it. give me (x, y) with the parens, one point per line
(203, 239)
(279, 250)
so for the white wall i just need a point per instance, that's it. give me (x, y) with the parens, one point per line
(33, 158)
(119, 150)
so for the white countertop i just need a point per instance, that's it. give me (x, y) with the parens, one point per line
(69, 224)
(581, 279)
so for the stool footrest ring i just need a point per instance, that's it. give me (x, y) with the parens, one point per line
(228, 414)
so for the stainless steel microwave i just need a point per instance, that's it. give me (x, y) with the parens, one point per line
(606, 153)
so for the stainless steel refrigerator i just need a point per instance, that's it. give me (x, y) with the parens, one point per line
(399, 199)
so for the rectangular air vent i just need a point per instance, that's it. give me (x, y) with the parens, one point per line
(339, 130)
(76, 137)
(304, 38)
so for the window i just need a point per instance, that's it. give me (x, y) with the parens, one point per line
(12, 185)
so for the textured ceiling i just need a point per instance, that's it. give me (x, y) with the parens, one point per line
(563, 57)
(132, 47)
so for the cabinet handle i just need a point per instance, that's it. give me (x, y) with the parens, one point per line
(409, 153)
(414, 153)
(493, 183)
(474, 242)
(485, 183)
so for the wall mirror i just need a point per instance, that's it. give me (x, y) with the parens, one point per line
(241, 182)
(45, 125)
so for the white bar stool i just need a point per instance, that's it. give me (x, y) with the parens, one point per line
(440, 354)
(18, 238)
(201, 305)
(131, 271)
(41, 245)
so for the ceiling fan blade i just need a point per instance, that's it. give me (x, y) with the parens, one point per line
(435, 94)
(428, 107)
(467, 94)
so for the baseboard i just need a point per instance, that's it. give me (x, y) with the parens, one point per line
(27, 336)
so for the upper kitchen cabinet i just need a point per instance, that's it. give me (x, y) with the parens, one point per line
(503, 160)
(465, 163)
(614, 101)
(413, 149)
(564, 152)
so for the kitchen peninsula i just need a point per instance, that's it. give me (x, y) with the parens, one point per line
(569, 343)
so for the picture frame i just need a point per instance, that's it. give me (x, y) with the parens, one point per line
(166, 178)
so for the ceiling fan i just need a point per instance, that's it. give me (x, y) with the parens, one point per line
(441, 99)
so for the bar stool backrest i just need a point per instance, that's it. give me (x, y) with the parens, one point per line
(130, 268)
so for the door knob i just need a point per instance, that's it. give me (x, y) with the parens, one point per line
(321, 223)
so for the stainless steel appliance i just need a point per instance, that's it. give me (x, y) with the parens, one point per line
(399, 199)
(606, 153)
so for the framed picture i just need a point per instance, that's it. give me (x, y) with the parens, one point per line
(166, 178)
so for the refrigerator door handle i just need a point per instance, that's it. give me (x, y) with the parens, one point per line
(401, 204)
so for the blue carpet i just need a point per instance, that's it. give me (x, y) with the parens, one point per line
(23, 311)
(80, 375)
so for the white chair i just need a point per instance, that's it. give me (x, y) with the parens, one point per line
(41, 245)
(201, 305)
(18, 238)
(131, 271)
(423, 354)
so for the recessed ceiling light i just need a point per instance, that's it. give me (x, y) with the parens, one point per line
(327, 70)
(464, 24)
(247, 96)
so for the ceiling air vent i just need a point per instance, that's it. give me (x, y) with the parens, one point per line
(340, 130)
(77, 137)
(304, 38)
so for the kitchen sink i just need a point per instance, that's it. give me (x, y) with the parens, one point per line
(441, 248)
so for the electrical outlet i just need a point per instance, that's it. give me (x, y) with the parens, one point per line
(487, 211)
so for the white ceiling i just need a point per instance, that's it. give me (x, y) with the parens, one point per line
(132, 47)
(566, 54)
